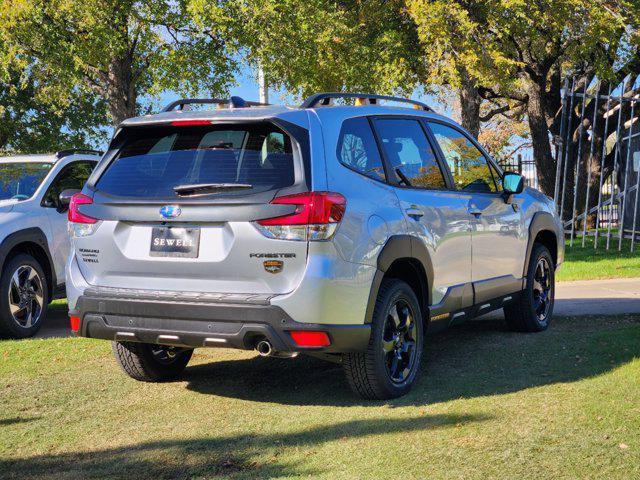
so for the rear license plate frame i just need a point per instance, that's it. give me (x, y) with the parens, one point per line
(180, 242)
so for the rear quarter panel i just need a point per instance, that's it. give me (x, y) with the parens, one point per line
(339, 273)
(373, 211)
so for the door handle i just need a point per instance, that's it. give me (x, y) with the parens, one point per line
(415, 213)
(476, 212)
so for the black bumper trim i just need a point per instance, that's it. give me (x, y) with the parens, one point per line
(206, 325)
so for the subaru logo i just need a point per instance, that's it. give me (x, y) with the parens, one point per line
(170, 211)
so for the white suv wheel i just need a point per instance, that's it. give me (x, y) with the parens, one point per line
(24, 297)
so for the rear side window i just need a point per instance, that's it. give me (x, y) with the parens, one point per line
(357, 148)
(409, 153)
(154, 160)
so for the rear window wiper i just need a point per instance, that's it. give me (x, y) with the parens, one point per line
(205, 188)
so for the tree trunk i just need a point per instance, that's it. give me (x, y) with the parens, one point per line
(470, 101)
(536, 112)
(121, 93)
(4, 137)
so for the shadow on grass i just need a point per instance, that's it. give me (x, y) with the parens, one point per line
(474, 359)
(225, 456)
(12, 421)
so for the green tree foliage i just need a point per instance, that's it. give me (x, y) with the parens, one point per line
(30, 122)
(307, 46)
(514, 53)
(117, 49)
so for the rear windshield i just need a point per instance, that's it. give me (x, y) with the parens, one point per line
(154, 160)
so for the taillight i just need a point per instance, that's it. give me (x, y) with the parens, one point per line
(75, 323)
(74, 214)
(316, 217)
(80, 225)
(305, 338)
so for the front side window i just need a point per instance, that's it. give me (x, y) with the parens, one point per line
(73, 176)
(409, 153)
(357, 148)
(153, 161)
(469, 167)
(20, 180)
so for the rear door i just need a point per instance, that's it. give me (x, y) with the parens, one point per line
(434, 214)
(157, 234)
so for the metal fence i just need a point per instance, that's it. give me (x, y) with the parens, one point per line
(598, 162)
(525, 166)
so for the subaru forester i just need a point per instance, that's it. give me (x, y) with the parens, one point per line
(344, 231)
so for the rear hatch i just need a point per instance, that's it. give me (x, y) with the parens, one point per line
(176, 206)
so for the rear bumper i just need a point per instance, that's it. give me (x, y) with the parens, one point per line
(204, 324)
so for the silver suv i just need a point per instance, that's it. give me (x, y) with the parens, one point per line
(344, 232)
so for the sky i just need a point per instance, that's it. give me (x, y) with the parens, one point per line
(247, 88)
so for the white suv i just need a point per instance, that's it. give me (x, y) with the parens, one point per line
(34, 243)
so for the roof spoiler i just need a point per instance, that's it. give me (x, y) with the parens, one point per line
(74, 151)
(326, 98)
(233, 102)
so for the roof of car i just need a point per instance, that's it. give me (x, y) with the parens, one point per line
(237, 109)
(48, 157)
(266, 113)
(39, 158)
(250, 113)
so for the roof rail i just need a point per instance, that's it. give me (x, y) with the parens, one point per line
(233, 102)
(324, 99)
(73, 151)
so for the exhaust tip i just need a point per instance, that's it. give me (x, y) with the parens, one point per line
(264, 349)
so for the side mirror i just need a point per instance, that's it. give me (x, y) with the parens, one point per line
(512, 183)
(49, 203)
(65, 198)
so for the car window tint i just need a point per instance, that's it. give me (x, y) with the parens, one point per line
(73, 176)
(468, 165)
(408, 151)
(152, 161)
(357, 148)
(19, 181)
(273, 143)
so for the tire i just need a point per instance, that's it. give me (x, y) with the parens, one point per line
(533, 310)
(147, 362)
(374, 374)
(24, 297)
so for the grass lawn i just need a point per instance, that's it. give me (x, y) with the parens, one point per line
(490, 404)
(590, 264)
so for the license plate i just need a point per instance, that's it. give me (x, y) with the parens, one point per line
(175, 242)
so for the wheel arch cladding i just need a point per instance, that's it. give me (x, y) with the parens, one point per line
(31, 241)
(542, 229)
(404, 257)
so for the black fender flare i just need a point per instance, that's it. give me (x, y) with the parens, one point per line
(399, 247)
(30, 235)
(541, 221)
